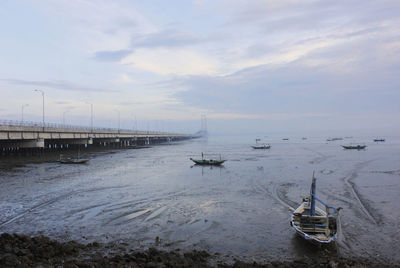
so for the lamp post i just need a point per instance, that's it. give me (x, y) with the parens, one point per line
(119, 120)
(39, 90)
(91, 116)
(64, 117)
(136, 129)
(22, 112)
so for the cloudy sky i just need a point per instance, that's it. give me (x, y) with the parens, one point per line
(270, 66)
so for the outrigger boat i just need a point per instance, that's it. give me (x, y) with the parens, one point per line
(315, 224)
(354, 147)
(334, 139)
(70, 160)
(260, 145)
(73, 161)
(202, 161)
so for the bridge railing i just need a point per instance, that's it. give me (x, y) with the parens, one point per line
(77, 127)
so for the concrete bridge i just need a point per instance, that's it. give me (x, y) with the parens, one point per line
(17, 135)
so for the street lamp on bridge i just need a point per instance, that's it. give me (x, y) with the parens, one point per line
(91, 116)
(119, 119)
(22, 112)
(39, 90)
(64, 116)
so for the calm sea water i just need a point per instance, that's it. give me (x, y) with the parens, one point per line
(241, 209)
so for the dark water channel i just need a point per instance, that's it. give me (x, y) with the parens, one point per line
(240, 209)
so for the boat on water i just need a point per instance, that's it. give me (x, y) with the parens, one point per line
(72, 160)
(260, 145)
(210, 161)
(315, 224)
(285, 139)
(354, 147)
(379, 140)
(334, 139)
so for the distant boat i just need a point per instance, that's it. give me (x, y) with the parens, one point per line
(261, 146)
(335, 139)
(285, 139)
(314, 224)
(379, 140)
(211, 161)
(304, 138)
(354, 147)
(72, 160)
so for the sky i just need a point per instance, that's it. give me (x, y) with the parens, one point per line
(250, 66)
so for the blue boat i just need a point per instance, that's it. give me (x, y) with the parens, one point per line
(210, 161)
(316, 225)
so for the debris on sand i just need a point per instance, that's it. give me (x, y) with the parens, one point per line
(24, 251)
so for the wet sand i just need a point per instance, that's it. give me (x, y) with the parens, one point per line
(239, 211)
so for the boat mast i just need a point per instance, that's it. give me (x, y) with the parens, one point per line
(312, 198)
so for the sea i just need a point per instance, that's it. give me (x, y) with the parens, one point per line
(157, 197)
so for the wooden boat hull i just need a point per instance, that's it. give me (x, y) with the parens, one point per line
(209, 162)
(315, 236)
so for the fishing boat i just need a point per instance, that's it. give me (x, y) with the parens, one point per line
(72, 160)
(210, 161)
(334, 139)
(260, 145)
(379, 140)
(354, 147)
(315, 224)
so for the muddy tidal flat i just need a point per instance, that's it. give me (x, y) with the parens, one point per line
(154, 201)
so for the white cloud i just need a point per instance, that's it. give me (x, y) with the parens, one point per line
(172, 61)
(125, 78)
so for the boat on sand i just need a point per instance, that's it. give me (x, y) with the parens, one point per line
(316, 225)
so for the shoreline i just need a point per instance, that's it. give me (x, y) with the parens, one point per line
(17, 250)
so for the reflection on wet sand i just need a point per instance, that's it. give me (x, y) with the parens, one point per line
(240, 209)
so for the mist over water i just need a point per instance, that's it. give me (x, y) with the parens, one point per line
(241, 208)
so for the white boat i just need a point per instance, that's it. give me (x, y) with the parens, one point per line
(315, 224)
(260, 145)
